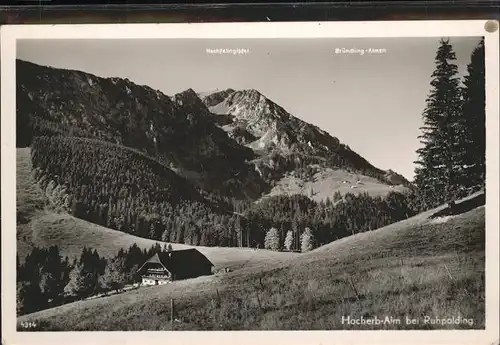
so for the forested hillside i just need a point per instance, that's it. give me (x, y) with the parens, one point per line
(106, 168)
(133, 159)
(122, 189)
(326, 221)
(53, 101)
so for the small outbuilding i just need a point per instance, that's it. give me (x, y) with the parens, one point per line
(165, 267)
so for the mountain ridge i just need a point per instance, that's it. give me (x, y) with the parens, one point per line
(273, 128)
(233, 143)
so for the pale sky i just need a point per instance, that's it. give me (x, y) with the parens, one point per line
(371, 102)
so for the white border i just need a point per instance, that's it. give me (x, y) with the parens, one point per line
(9, 35)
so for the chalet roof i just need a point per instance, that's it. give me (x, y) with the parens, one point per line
(175, 260)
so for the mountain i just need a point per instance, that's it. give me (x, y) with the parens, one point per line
(229, 143)
(422, 262)
(189, 104)
(53, 101)
(270, 130)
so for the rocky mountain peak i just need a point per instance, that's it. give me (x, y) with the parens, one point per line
(187, 96)
(189, 103)
(275, 130)
(189, 92)
(215, 97)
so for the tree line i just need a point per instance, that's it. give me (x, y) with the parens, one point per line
(125, 190)
(451, 162)
(304, 166)
(280, 222)
(45, 279)
(119, 188)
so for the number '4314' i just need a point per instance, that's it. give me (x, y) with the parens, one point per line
(28, 324)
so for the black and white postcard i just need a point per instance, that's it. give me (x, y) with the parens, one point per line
(182, 179)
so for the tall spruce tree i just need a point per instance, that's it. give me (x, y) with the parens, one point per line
(436, 174)
(29, 298)
(53, 276)
(18, 268)
(473, 122)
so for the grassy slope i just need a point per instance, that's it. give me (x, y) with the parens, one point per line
(44, 227)
(328, 181)
(420, 266)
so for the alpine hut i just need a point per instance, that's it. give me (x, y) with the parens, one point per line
(165, 267)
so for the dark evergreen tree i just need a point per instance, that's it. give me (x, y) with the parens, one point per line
(437, 172)
(337, 196)
(41, 279)
(473, 122)
(18, 268)
(29, 297)
(53, 276)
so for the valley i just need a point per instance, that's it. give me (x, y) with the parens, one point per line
(242, 215)
(420, 266)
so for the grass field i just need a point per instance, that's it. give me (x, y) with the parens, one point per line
(421, 267)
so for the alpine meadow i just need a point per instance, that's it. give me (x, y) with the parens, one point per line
(220, 210)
